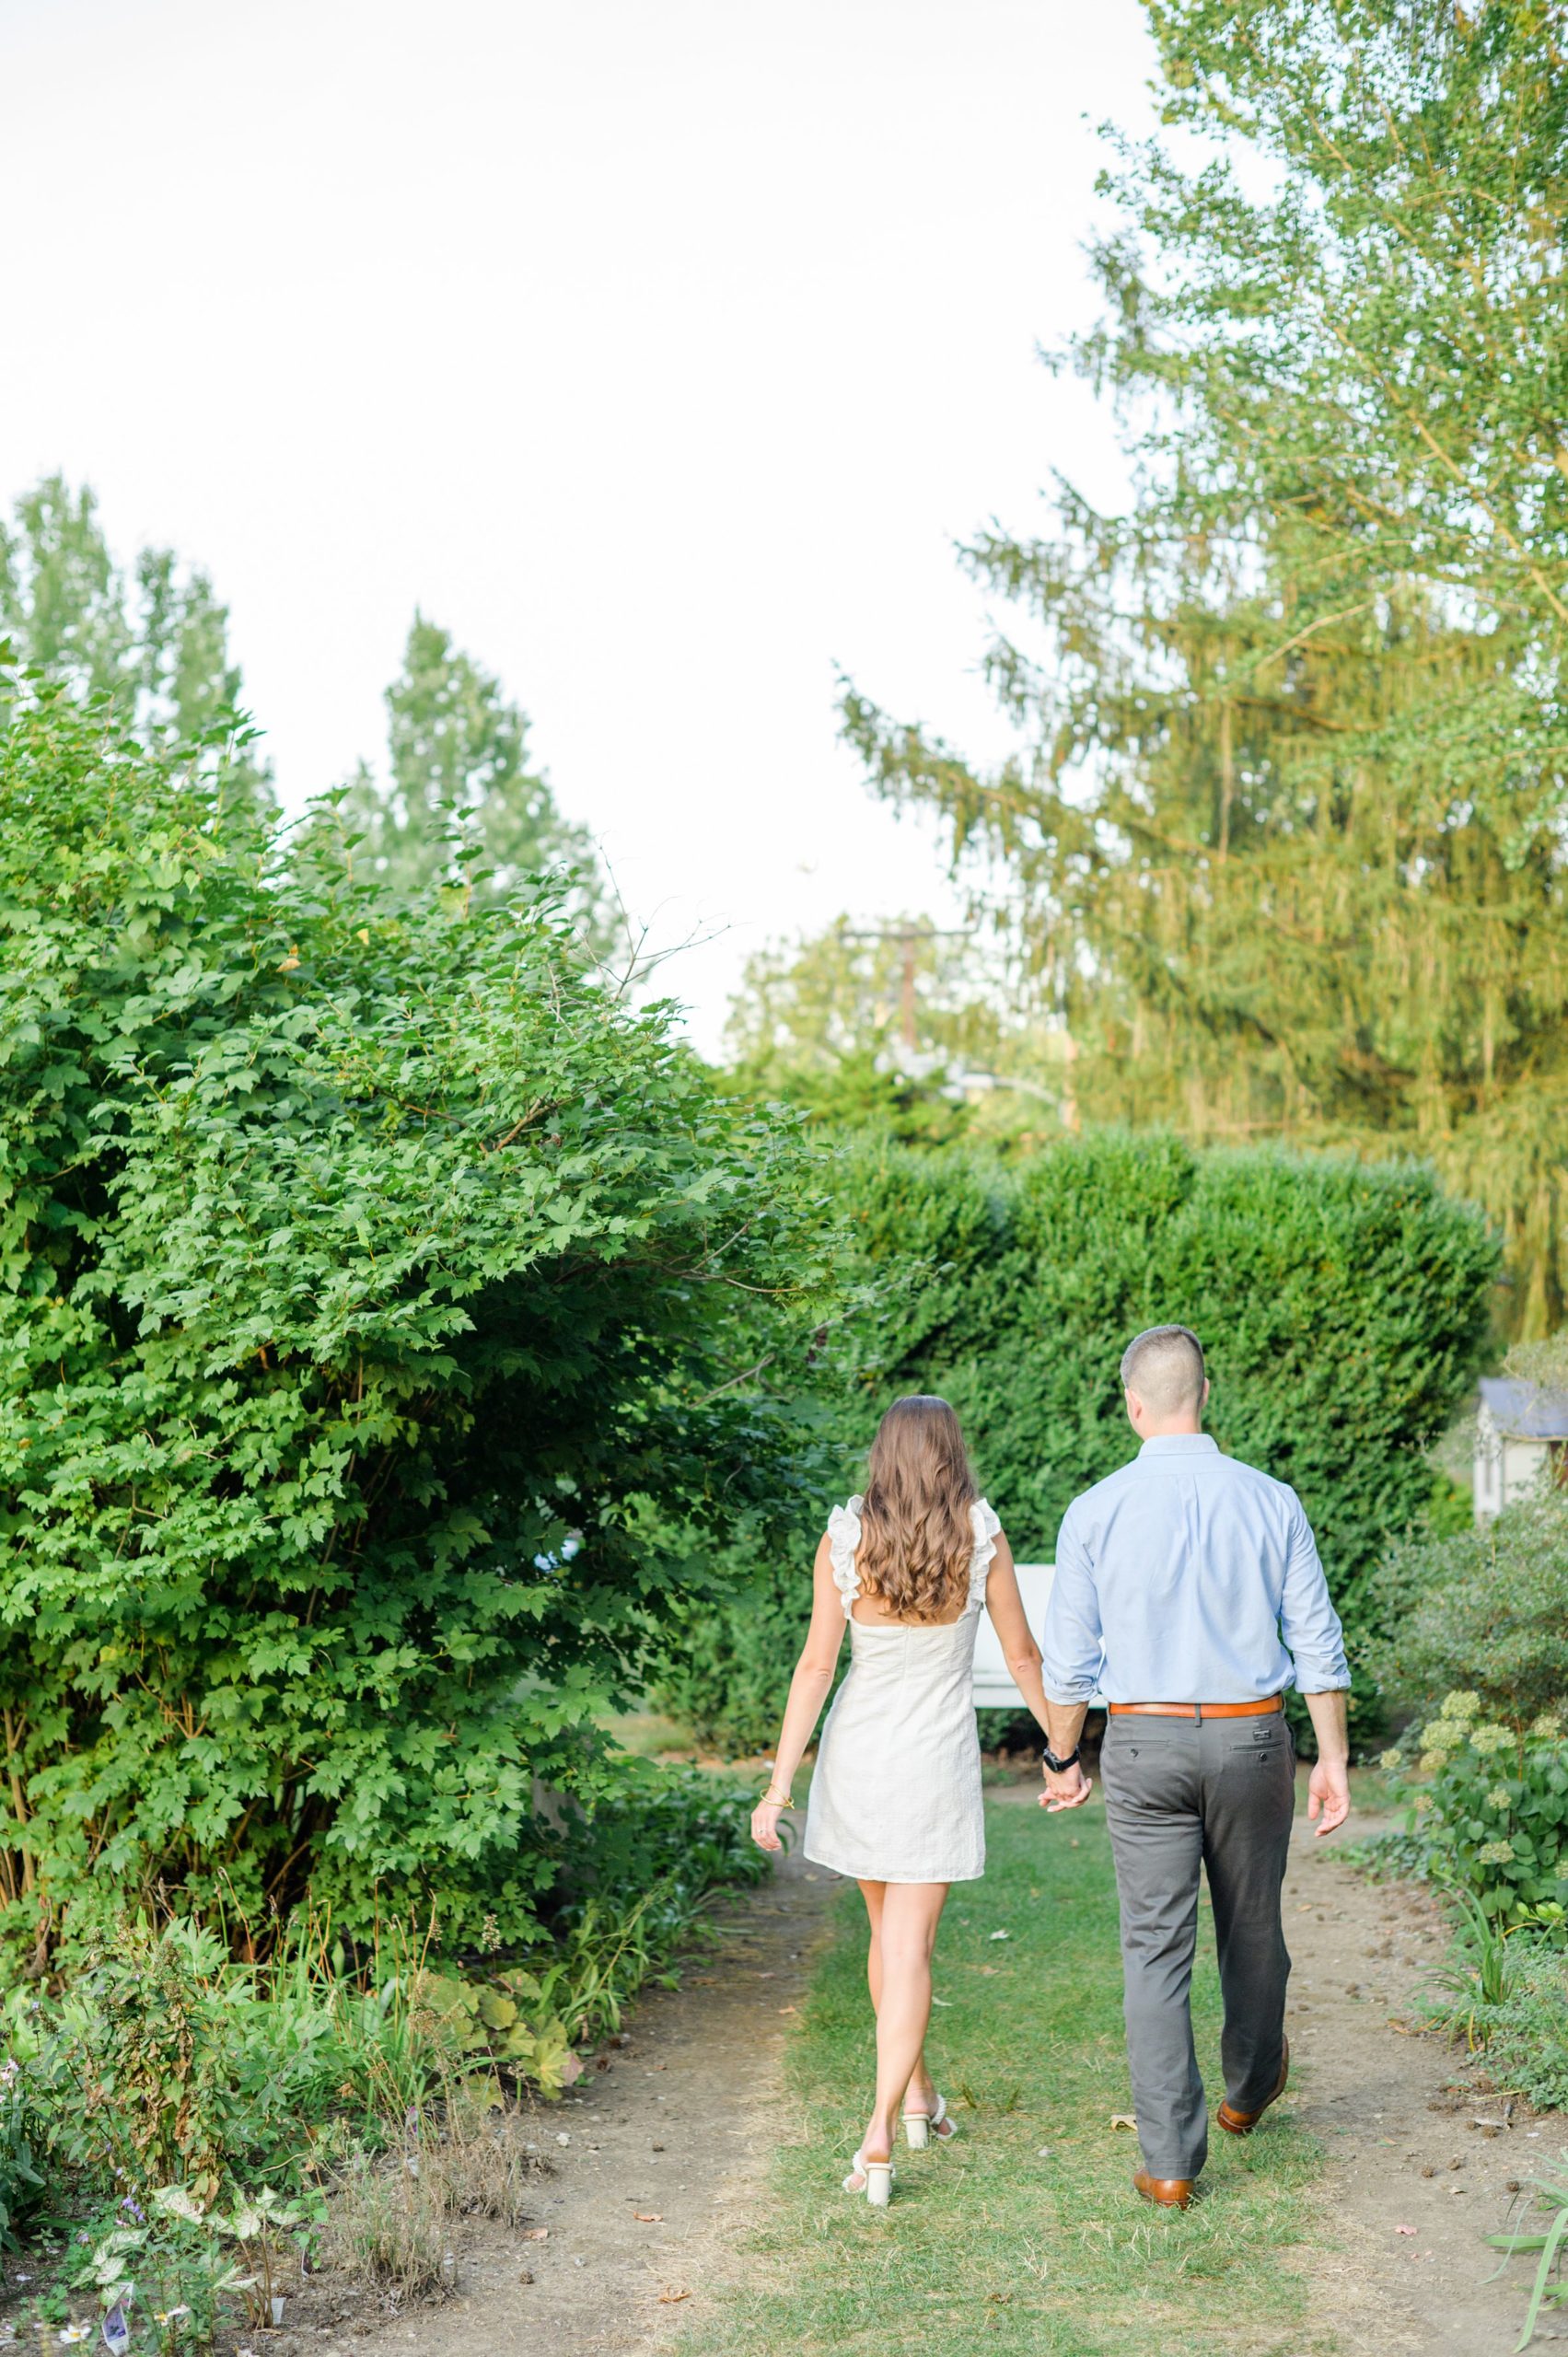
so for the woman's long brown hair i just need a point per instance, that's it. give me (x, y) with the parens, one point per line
(916, 1532)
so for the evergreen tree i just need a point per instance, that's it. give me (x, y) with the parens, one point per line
(155, 640)
(1291, 848)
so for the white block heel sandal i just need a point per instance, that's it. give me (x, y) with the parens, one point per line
(920, 2126)
(874, 2178)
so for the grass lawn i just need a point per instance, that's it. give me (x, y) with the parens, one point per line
(987, 2244)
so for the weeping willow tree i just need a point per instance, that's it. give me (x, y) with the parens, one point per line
(1289, 844)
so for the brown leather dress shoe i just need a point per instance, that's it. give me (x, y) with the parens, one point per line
(1168, 2193)
(1242, 2123)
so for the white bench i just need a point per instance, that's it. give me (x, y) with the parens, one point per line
(994, 1686)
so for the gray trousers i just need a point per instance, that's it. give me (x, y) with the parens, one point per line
(1180, 1796)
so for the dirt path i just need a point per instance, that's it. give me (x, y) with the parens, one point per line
(658, 2156)
(1397, 2119)
(651, 2161)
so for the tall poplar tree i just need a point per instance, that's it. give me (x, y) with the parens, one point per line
(153, 640)
(462, 802)
(1291, 840)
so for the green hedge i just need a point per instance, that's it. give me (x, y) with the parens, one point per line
(1343, 1307)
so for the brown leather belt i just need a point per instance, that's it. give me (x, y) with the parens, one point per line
(1198, 1711)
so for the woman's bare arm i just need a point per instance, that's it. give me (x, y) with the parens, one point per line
(808, 1691)
(1022, 1656)
(1005, 1607)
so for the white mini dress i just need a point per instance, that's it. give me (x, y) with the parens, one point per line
(896, 1793)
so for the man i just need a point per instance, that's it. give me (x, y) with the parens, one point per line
(1175, 1579)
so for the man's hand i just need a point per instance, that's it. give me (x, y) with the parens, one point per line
(1070, 1790)
(1328, 1790)
(1063, 1726)
(1327, 1787)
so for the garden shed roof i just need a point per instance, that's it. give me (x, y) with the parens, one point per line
(1524, 1410)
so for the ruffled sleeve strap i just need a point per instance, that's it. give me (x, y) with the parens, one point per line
(843, 1537)
(987, 1529)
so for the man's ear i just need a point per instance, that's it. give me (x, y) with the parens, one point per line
(1132, 1404)
(1204, 1401)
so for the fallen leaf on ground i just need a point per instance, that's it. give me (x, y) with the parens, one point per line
(537, 2235)
(941, 2000)
(1002, 1936)
(789, 2009)
(648, 2217)
(1125, 2120)
(669, 2298)
(1404, 2230)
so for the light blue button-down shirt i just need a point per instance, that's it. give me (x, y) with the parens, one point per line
(1189, 1577)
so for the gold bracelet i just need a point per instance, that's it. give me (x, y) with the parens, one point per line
(771, 1800)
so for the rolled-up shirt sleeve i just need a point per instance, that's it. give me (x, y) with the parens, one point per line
(1308, 1622)
(1072, 1643)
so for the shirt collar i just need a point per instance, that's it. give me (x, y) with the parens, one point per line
(1181, 1445)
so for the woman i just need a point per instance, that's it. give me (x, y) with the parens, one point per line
(896, 1798)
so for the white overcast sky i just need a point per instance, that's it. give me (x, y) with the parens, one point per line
(660, 348)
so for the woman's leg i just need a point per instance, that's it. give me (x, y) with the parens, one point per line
(922, 2093)
(874, 1893)
(906, 1936)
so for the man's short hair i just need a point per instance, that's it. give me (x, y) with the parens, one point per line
(1164, 1366)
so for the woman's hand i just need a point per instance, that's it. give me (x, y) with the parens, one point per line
(765, 1825)
(1071, 1788)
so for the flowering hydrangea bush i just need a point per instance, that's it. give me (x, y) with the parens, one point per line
(1490, 1807)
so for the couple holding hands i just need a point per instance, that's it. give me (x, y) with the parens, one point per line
(1189, 1593)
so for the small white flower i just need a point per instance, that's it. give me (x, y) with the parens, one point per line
(171, 2316)
(1002, 1936)
(74, 2332)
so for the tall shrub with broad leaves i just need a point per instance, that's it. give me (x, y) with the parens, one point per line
(377, 1301)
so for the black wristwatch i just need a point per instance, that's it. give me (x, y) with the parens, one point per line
(1059, 1766)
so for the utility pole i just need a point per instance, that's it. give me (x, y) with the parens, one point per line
(909, 937)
